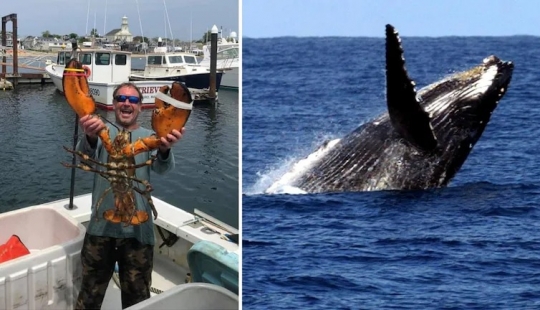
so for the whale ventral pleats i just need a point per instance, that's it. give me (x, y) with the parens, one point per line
(408, 117)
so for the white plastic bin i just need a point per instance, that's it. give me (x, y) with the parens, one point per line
(191, 296)
(49, 277)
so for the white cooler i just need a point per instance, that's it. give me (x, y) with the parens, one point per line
(49, 277)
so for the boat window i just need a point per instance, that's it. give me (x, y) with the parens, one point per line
(86, 59)
(63, 58)
(175, 59)
(154, 60)
(103, 59)
(120, 60)
(190, 60)
(228, 53)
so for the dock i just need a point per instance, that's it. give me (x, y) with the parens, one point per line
(14, 78)
(203, 96)
(25, 78)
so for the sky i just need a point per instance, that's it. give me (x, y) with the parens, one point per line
(71, 16)
(274, 18)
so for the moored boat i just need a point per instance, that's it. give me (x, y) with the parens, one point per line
(176, 66)
(228, 60)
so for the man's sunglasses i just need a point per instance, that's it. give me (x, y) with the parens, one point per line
(123, 98)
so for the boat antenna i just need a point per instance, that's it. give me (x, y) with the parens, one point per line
(105, 20)
(71, 206)
(140, 23)
(87, 16)
(165, 24)
(169, 22)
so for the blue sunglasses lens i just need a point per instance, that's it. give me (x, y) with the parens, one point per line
(122, 98)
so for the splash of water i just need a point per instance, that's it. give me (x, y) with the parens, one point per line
(279, 179)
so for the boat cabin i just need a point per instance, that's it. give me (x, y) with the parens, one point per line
(106, 66)
(228, 54)
(225, 50)
(171, 59)
(162, 65)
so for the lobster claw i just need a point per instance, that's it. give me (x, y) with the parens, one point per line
(76, 89)
(171, 112)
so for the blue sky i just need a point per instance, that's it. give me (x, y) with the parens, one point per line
(271, 18)
(67, 16)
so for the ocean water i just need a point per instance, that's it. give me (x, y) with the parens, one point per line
(472, 245)
(36, 122)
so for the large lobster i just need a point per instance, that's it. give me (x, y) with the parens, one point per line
(120, 168)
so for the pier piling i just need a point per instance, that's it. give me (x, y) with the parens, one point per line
(213, 64)
(10, 18)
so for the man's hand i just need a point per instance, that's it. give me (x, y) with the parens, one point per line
(171, 138)
(91, 125)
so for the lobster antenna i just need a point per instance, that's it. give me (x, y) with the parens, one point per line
(108, 121)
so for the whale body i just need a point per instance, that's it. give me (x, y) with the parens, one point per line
(423, 139)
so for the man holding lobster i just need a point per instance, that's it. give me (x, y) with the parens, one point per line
(120, 229)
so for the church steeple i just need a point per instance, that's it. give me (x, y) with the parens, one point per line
(124, 27)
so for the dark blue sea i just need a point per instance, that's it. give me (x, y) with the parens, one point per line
(472, 245)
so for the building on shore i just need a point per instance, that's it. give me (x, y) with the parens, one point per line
(121, 34)
(9, 38)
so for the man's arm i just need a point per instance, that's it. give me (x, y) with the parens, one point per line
(91, 126)
(87, 146)
(164, 162)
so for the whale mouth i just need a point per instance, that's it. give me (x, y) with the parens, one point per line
(481, 86)
(496, 82)
(504, 75)
(503, 69)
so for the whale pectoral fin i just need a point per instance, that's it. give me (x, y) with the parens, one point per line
(406, 114)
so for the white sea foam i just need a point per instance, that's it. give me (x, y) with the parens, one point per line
(268, 177)
(282, 181)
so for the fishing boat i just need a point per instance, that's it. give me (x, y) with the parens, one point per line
(164, 65)
(195, 259)
(228, 60)
(105, 70)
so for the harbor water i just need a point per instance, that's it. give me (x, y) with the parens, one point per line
(36, 122)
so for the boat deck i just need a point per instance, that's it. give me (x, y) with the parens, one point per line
(55, 262)
(165, 276)
(170, 218)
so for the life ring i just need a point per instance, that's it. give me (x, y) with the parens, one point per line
(87, 71)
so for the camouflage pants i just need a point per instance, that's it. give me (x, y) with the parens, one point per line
(99, 255)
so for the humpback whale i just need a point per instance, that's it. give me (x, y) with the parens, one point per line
(423, 139)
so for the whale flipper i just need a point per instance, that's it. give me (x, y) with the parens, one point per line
(408, 117)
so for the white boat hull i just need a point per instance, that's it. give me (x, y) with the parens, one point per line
(231, 78)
